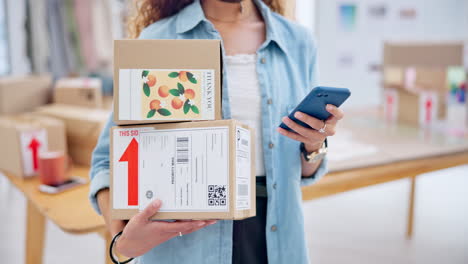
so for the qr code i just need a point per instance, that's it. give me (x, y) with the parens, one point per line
(217, 195)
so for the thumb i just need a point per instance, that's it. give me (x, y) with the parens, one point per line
(150, 210)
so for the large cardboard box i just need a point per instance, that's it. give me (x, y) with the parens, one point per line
(436, 54)
(83, 127)
(23, 137)
(160, 81)
(200, 170)
(23, 94)
(85, 92)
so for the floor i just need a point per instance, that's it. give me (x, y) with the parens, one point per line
(362, 226)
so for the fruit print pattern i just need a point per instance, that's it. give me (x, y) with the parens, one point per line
(170, 93)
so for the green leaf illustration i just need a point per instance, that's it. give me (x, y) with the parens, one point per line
(144, 73)
(195, 109)
(173, 74)
(186, 106)
(181, 88)
(191, 78)
(146, 89)
(174, 92)
(151, 113)
(164, 112)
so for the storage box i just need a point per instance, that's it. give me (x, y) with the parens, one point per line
(23, 94)
(160, 81)
(413, 54)
(23, 137)
(85, 92)
(200, 170)
(416, 78)
(83, 127)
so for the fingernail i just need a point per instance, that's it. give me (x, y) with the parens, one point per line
(298, 115)
(212, 222)
(329, 107)
(200, 224)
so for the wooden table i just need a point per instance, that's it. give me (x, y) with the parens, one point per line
(70, 210)
(404, 152)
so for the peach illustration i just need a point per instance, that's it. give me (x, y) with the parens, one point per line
(155, 104)
(189, 94)
(163, 91)
(183, 76)
(177, 103)
(151, 80)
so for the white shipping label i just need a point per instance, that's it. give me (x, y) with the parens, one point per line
(243, 168)
(187, 169)
(428, 104)
(125, 171)
(166, 94)
(391, 105)
(32, 143)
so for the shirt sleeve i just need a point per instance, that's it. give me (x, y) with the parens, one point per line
(312, 67)
(100, 177)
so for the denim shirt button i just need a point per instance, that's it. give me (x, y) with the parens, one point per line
(262, 60)
(269, 101)
(271, 145)
(274, 228)
(274, 186)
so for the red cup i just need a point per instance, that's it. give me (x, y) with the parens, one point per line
(54, 167)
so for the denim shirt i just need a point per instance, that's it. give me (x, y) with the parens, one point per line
(286, 70)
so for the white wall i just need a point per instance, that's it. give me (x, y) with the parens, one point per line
(440, 20)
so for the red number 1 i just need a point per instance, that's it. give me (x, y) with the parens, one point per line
(130, 156)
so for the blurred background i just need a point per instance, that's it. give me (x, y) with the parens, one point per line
(405, 62)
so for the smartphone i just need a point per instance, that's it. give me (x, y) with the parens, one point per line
(57, 188)
(315, 102)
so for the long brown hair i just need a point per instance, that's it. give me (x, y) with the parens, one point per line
(145, 12)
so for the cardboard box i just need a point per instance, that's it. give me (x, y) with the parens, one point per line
(416, 78)
(411, 54)
(419, 108)
(23, 94)
(160, 81)
(85, 92)
(200, 170)
(83, 127)
(23, 137)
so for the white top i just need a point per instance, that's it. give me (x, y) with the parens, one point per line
(245, 98)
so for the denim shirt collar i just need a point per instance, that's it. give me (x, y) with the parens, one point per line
(192, 15)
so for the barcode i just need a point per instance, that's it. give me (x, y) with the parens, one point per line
(182, 150)
(217, 195)
(242, 189)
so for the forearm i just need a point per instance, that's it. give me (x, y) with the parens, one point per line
(103, 199)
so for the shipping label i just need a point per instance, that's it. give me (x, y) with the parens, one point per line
(32, 143)
(391, 105)
(166, 94)
(243, 168)
(187, 169)
(428, 105)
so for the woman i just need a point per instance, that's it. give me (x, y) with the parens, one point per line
(269, 66)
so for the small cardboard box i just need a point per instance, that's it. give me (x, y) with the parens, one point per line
(200, 170)
(23, 94)
(83, 127)
(160, 81)
(85, 92)
(416, 78)
(23, 137)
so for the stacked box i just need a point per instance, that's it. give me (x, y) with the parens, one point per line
(23, 137)
(85, 92)
(171, 143)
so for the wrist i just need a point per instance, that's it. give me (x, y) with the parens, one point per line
(312, 147)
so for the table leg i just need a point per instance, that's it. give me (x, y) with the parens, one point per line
(409, 227)
(35, 231)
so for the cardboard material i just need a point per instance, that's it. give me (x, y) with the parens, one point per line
(23, 137)
(23, 94)
(200, 170)
(404, 54)
(85, 92)
(83, 127)
(159, 81)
